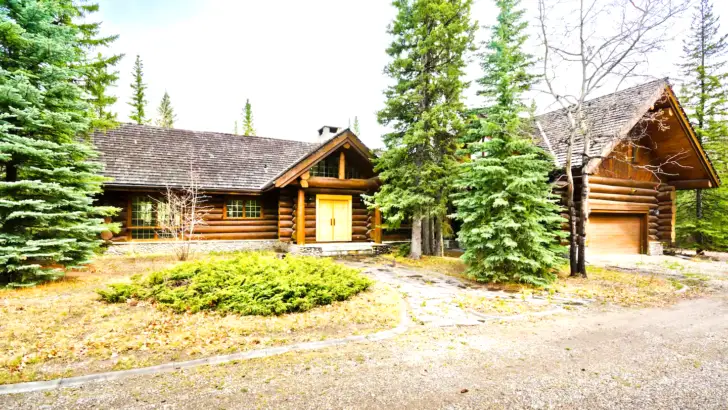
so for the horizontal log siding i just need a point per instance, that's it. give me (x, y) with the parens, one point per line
(614, 194)
(216, 226)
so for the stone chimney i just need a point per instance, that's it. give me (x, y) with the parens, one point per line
(326, 132)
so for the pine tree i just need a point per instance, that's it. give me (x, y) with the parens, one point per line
(165, 112)
(703, 214)
(355, 127)
(138, 97)
(98, 71)
(248, 120)
(510, 220)
(48, 172)
(235, 128)
(425, 112)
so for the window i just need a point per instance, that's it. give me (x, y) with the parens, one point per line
(234, 208)
(327, 167)
(352, 173)
(243, 208)
(142, 220)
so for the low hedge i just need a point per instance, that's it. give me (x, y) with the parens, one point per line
(246, 284)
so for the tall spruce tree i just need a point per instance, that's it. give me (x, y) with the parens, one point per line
(510, 220)
(235, 128)
(355, 127)
(248, 119)
(99, 73)
(702, 219)
(424, 109)
(48, 176)
(138, 97)
(165, 112)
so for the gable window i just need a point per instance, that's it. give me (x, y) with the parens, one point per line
(327, 167)
(352, 173)
(240, 208)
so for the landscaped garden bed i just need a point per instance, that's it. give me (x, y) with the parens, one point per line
(181, 311)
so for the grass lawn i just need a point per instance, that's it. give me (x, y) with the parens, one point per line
(603, 286)
(62, 329)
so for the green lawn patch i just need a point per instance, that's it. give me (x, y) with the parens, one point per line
(247, 284)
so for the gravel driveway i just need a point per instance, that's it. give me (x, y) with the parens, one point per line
(673, 357)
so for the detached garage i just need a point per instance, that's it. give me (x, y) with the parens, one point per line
(614, 233)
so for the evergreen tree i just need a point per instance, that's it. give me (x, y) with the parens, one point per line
(248, 119)
(98, 71)
(138, 97)
(510, 220)
(165, 113)
(703, 214)
(48, 172)
(235, 128)
(425, 112)
(355, 127)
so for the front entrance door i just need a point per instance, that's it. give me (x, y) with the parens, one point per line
(333, 218)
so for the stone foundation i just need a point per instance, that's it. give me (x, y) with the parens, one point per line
(162, 247)
(655, 248)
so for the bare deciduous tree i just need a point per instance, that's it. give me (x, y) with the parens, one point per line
(179, 212)
(608, 42)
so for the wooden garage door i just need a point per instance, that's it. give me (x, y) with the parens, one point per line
(615, 233)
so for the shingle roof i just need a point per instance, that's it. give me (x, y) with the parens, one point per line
(148, 156)
(611, 116)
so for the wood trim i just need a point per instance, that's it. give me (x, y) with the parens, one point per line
(301, 218)
(243, 198)
(377, 225)
(691, 184)
(690, 132)
(326, 182)
(342, 165)
(307, 162)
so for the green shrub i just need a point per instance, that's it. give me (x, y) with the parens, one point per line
(247, 284)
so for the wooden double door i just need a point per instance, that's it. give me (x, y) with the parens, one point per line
(333, 218)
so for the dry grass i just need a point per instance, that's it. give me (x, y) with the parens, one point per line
(62, 329)
(604, 286)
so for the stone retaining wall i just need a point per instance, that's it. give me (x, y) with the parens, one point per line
(128, 248)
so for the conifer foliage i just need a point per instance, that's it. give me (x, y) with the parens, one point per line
(703, 214)
(248, 128)
(165, 112)
(510, 220)
(138, 101)
(47, 176)
(424, 109)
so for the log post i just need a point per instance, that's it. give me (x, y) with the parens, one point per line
(301, 218)
(377, 225)
(342, 165)
(673, 204)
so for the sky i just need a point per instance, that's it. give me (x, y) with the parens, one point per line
(302, 64)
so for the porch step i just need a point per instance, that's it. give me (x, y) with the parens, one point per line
(340, 249)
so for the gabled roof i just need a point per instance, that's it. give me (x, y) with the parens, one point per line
(147, 156)
(610, 117)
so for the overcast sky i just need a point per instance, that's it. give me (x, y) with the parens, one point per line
(302, 64)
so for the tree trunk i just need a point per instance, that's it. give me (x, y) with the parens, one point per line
(437, 243)
(699, 240)
(426, 236)
(11, 172)
(416, 244)
(582, 225)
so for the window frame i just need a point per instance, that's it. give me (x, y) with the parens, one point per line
(129, 227)
(245, 200)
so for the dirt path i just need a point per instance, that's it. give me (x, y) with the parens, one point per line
(673, 357)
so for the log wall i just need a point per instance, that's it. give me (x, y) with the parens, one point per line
(216, 225)
(609, 195)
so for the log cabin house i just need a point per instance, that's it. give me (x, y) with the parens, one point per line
(643, 149)
(256, 188)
